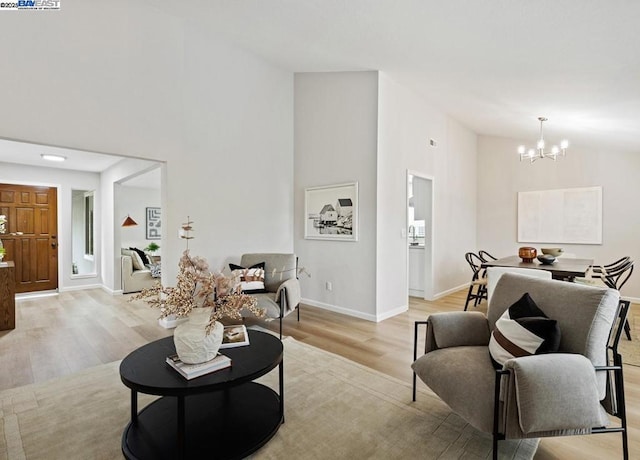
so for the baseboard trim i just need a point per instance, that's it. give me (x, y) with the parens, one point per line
(416, 293)
(631, 299)
(439, 295)
(111, 291)
(80, 288)
(392, 313)
(342, 310)
(354, 313)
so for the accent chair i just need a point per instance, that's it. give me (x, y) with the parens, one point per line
(569, 392)
(281, 283)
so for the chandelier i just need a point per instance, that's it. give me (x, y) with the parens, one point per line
(539, 152)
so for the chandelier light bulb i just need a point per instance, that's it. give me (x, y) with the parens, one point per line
(539, 152)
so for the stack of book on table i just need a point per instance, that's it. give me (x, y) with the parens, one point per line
(190, 371)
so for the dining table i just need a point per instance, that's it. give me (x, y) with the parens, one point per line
(563, 268)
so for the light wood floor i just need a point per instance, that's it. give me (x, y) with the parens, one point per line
(62, 334)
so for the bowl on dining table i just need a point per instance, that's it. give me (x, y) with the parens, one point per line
(555, 252)
(546, 259)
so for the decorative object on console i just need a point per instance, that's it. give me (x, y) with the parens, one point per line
(3, 251)
(539, 152)
(527, 254)
(212, 295)
(546, 259)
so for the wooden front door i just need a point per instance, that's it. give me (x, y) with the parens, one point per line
(31, 236)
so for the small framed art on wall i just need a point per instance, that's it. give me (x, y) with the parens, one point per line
(154, 224)
(331, 212)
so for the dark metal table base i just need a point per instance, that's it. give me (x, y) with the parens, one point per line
(228, 424)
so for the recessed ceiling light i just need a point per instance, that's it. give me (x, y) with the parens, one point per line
(49, 157)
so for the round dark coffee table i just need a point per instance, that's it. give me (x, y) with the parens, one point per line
(222, 415)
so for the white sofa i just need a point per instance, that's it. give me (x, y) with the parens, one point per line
(134, 280)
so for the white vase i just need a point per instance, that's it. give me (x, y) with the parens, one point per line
(192, 342)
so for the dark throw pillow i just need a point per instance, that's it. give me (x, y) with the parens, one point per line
(523, 330)
(251, 278)
(143, 256)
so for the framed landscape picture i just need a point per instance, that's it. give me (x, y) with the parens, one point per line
(154, 224)
(331, 212)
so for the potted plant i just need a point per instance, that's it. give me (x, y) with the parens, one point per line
(3, 251)
(152, 247)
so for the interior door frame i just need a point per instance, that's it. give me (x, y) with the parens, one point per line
(428, 247)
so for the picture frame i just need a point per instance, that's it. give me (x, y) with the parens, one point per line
(331, 212)
(153, 223)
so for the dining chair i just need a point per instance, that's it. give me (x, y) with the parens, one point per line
(615, 278)
(485, 256)
(478, 285)
(613, 275)
(600, 269)
(597, 273)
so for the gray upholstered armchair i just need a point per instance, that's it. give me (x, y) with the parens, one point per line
(568, 392)
(282, 294)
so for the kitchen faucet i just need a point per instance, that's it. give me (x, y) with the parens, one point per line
(412, 233)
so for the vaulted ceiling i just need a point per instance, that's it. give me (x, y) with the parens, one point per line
(494, 65)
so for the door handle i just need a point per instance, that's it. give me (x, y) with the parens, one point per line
(53, 245)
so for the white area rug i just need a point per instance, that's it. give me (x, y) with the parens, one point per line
(334, 409)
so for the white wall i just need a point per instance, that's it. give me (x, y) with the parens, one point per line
(234, 176)
(363, 126)
(133, 201)
(407, 122)
(335, 142)
(125, 78)
(65, 181)
(501, 176)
